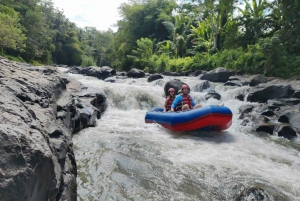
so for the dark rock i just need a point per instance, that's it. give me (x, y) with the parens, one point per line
(212, 95)
(287, 131)
(270, 92)
(135, 73)
(257, 79)
(100, 73)
(199, 72)
(171, 74)
(38, 116)
(121, 73)
(110, 79)
(154, 77)
(109, 69)
(217, 75)
(240, 97)
(175, 83)
(290, 101)
(290, 116)
(268, 113)
(201, 86)
(234, 78)
(296, 94)
(233, 83)
(266, 128)
(244, 110)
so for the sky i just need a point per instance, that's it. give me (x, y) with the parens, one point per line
(102, 14)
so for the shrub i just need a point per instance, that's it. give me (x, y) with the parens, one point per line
(87, 61)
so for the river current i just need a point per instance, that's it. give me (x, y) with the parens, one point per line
(123, 158)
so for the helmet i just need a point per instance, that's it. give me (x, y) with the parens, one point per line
(185, 87)
(171, 89)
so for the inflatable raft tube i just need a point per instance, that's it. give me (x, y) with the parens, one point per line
(219, 117)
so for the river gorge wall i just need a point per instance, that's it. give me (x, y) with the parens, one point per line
(41, 108)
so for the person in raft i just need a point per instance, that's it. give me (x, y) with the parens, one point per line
(169, 100)
(184, 100)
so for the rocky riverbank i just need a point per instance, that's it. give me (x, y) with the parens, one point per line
(41, 109)
(277, 111)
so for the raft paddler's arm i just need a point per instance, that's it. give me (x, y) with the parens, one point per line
(193, 102)
(165, 105)
(175, 102)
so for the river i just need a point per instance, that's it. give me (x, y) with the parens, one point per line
(123, 158)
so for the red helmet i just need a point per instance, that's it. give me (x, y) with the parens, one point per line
(171, 89)
(185, 87)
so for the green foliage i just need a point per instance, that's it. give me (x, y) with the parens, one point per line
(87, 61)
(143, 52)
(11, 35)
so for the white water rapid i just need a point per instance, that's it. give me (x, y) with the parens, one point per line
(123, 158)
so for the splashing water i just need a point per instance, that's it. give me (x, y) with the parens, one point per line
(122, 158)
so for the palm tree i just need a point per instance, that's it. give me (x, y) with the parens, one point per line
(178, 33)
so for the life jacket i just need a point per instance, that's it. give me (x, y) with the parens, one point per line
(186, 99)
(169, 103)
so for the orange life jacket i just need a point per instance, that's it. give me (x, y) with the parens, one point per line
(169, 103)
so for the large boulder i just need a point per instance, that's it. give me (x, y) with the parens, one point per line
(175, 83)
(217, 75)
(154, 77)
(201, 86)
(38, 117)
(135, 73)
(256, 80)
(264, 93)
(98, 72)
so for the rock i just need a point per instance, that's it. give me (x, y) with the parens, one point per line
(290, 116)
(154, 77)
(135, 73)
(217, 75)
(38, 117)
(287, 131)
(201, 86)
(186, 73)
(121, 73)
(266, 128)
(171, 74)
(110, 79)
(257, 79)
(199, 72)
(175, 83)
(212, 95)
(268, 113)
(109, 69)
(233, 83)
(245, 109)
(296, 94)
(270, 92)
(240, 97)
(100, 73)
(234, 78)
(290, 101)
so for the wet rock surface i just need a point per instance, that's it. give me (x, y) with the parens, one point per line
(41, 109)
(98, 72)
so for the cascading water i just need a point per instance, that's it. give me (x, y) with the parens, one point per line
(122, 158)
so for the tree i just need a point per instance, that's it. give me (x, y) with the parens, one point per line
(11, 35)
